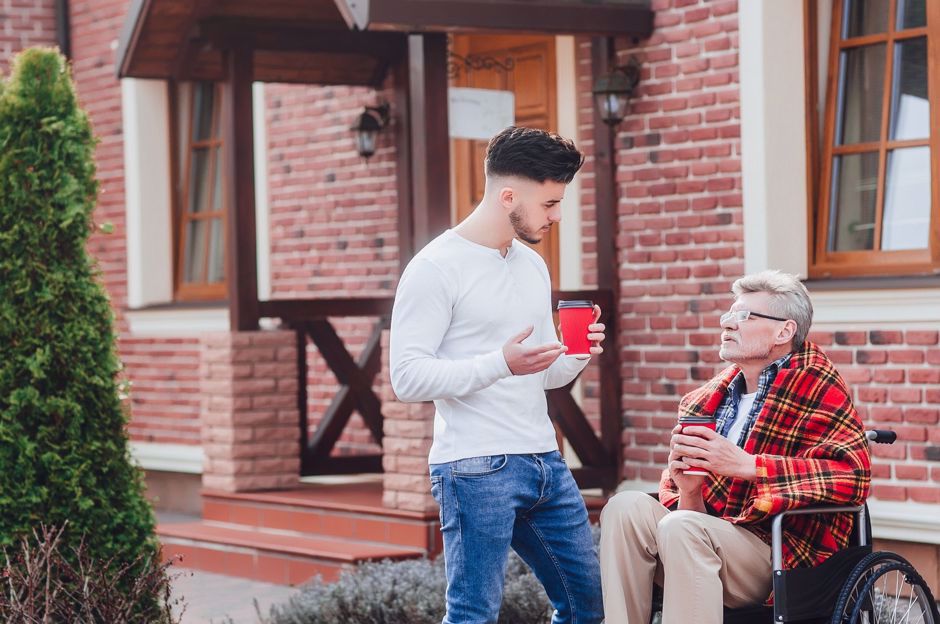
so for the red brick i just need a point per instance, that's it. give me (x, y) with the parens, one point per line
(888, 375)
(905, 395)
(922, 494)
(920, 337)
(926, 415)
(924, 375)
(889, 492)
(906, 356)
(911, 473)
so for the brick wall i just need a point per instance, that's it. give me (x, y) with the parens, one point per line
(895, 378)
(679, 213)
(164, 376)
(334, 220)
(680, 246)
(25, 23)
(163, 372)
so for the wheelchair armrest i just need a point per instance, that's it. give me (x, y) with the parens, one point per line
(776, 528)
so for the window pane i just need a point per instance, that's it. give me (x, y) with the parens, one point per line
(216, 253)
(203, 97)
(910, 108)
(195, 250)
(862, 86)
(218, 193)
(907, 199)
(199, 180)
(854, 193)
(911, 14)
(865, 17)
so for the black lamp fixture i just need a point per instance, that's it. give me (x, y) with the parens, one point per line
(368, 125)
(613, 90)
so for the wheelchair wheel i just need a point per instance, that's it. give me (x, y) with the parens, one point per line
(885, 589)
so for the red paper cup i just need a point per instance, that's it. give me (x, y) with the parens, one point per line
(575, 316)
(710, 423)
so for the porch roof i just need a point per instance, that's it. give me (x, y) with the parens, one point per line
(351, 42)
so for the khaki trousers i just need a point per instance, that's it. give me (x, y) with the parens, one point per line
(702, 563)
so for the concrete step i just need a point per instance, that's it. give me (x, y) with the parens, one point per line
(267, 555)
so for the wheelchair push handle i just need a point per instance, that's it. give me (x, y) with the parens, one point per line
(881, 436)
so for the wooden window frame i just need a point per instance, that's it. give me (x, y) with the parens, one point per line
(825, 263)
(182, 290)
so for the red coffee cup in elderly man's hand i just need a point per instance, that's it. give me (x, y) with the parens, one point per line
(697, 421)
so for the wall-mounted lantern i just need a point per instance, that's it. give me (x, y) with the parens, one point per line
(368, 125)
(613, 90)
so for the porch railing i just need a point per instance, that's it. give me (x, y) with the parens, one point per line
(310, 319)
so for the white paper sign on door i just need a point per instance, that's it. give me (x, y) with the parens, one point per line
(479, 113)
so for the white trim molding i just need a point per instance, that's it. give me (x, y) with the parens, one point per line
(183, 458)
(905, 521)
(773, 137)
(909, 308)
(177, 322)
(148, 205)
(570, 267)
(262, 211)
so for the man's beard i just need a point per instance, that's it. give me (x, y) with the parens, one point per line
(755, 352)
(517, 221)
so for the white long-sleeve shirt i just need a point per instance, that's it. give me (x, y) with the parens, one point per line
(457, 304)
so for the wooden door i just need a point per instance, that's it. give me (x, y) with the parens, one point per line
(532, 81)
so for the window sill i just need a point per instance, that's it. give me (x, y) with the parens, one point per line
(888, 302)
(177, 320)
(873, 283)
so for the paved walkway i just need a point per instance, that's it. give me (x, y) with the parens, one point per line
(218, 599)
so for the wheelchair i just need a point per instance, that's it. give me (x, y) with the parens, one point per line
(853, 586)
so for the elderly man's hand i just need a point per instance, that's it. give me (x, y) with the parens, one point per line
(703, 448)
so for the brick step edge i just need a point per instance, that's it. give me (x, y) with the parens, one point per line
(337, 524)
(247, 563)
(340, 551)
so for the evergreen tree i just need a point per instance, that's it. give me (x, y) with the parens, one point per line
(63, 442)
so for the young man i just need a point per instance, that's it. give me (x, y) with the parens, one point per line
(788, 437)
(472, 331)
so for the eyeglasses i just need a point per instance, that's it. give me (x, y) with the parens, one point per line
(739, 316)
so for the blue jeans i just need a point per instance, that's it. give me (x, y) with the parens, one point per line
(530, 503)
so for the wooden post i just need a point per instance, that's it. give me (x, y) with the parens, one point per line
(424, 143)
(240, 189)
(606, 199)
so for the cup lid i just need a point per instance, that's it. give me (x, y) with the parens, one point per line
(694, 419)
(575, 303)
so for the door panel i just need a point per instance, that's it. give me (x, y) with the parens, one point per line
(532, 81)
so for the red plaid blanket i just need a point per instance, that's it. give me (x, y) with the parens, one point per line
(811, 450)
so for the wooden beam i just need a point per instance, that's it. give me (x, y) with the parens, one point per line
(605, 206)
(402, 86)
(238, 140)
(429, 143)
(307, 309)
(130, 35)
(583, 17)
(564, 411)
(283, 36)
(350, 464)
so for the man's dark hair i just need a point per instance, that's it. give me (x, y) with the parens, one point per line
(533, 154)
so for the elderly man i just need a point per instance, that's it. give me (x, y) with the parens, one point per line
(787, 436)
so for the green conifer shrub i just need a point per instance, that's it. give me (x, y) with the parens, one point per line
(63, 444)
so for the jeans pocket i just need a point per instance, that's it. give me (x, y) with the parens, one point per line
(437, 491)
(479, 466)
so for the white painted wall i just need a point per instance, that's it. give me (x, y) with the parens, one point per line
(773, 138)
(569, 244)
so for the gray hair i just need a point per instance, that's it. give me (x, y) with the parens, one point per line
(789, 298)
